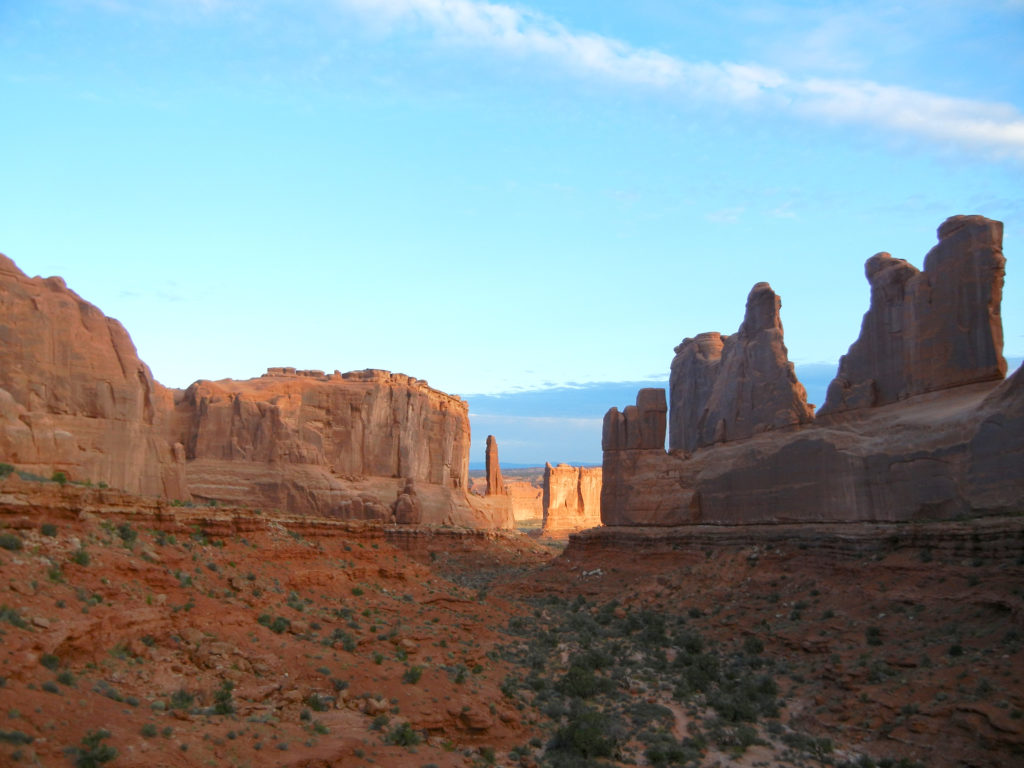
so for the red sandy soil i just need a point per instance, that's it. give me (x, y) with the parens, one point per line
(917, 652)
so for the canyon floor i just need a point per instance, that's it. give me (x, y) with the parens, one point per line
(135, 632)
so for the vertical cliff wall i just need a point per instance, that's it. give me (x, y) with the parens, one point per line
(932, 329)
(74, 395)
(732, 387)
(571, 500)
(918, 425)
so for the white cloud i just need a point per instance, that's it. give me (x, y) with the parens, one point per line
(991, 127)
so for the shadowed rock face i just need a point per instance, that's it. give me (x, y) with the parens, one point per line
(919, 428)
(495, 485)
(928, 330)
(731, 387)
(75, 397)
(572, 499)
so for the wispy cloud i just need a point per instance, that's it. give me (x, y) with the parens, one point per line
(995, 128)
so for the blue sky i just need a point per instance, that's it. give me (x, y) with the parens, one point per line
(496, 197)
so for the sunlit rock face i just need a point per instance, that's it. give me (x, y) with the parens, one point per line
(76, 398)
(572, 499)
(495, 483)
(74, 395)
(918, 425)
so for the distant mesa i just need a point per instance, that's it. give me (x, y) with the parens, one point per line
(917, 425)
(371, 444)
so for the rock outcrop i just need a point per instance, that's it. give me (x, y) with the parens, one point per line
(932, 329)
(732, 387)
(495, 484)
(572, 499)
(930, 440)
(74, 395)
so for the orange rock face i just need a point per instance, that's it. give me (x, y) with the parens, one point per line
(75, 397)
(572, 499)
(941, 439)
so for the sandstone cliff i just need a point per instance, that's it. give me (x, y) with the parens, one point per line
(941, 440)
(732, 387)
(75, 397)
(495, 483)
(572, 499)
(932, 329)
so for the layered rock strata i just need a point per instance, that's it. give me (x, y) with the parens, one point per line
(75, 397)
(932, 329)
(732, 387)
(929, 441)
(572, 499)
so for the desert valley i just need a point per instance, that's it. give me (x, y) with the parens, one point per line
(300, 569)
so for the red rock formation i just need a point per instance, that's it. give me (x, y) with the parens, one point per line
(572, 499)
(74, 395)
(919, 455)
(930, 330)
(495, 485)
(638, 427)
(731, 387)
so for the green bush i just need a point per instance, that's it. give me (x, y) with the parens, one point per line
(412, 675)
(5, 470)
(403, 735)
(588, 733)
(59, 477)
(48, 529)
(92, 752)
(80, 556)
(182, 699)
(223, 703)
(10, 541)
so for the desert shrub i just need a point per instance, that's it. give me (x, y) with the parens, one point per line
(403, 735)
(182, 699)
(5, 470)
(873, 635)
(148, 730)
(93, 752)
(80, 556)
(50, 661)
(59, 477)
(223, 703)
(48, 529)
(11, 616)
(10, 541)
(588, 733)
(318, 704)
(15, 737)
(127, 534)
(412, 675)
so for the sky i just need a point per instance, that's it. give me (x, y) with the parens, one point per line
(497, 197)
